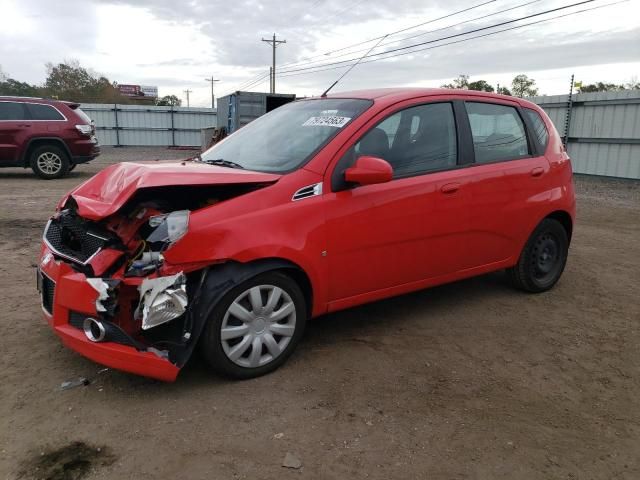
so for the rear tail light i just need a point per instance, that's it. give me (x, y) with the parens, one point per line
(85, 129)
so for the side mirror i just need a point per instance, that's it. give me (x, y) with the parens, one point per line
(369, 170)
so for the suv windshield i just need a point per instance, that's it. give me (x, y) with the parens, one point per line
(287, 137)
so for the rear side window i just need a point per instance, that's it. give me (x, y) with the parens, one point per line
(44, 112)
(498, 132)
(12, 111)
(540, 131)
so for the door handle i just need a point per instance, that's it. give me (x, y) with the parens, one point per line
(536, 172)
(450, 188)
(24, 125)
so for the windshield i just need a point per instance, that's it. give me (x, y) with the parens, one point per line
(287, 137)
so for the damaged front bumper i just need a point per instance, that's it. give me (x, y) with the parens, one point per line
(69, 299)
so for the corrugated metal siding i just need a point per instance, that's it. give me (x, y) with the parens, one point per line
(240, 108)
(604, 135)
(147, 125)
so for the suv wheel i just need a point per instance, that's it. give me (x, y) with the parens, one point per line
(255, 327)
(543, 258)
(49, 162)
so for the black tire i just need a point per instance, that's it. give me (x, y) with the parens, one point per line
(72, 166)
(543, 258)
(59, 166)
(211, 343)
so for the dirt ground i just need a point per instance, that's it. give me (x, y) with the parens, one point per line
(471, 380)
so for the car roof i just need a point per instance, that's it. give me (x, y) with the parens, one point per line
(391, 95)
(52, 101)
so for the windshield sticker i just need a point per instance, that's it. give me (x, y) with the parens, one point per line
(327, 121)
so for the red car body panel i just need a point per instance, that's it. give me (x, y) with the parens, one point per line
(355, 245)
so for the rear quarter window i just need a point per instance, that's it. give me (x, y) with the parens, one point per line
(540, 131)
(44, 112)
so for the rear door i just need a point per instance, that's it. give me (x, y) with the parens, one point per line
(14, 129)
(509, 181)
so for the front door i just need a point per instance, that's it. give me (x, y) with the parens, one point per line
(407, 230)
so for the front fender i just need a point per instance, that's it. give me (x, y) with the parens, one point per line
(293, 232)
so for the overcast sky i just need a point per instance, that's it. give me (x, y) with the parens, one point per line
(176, 44)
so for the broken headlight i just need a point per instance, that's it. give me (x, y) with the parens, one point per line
(169, 228)
(162, 299)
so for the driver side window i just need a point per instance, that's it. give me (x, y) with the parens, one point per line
(414, 141)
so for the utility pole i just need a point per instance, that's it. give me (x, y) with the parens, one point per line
(187, 92)
(274, 43)
(212, 80)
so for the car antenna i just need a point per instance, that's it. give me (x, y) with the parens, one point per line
(352, 66)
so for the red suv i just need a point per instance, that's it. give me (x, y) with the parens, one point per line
(320, 205)
(49, 136)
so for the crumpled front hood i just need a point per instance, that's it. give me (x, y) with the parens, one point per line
(107, 191)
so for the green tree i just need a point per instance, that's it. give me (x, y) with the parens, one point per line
(70, 81)
(523, 86)
(16, 88)
(169, 101)
(503, 91)
(599, 87)
(462, 82)
(633, 84)
(481, 86)
(11, 86)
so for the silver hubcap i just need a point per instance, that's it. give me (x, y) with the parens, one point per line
(258, 326)
(49, 162)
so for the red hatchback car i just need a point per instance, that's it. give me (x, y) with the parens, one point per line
(320, 205)
(50, 136)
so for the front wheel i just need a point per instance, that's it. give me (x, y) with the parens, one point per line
(543, 258)
(255, 327)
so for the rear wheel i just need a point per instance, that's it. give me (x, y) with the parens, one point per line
(255, 327)
(543, 258)
(49, 162)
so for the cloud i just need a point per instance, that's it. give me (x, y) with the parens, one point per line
(177, 44)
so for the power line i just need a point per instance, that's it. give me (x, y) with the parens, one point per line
(249, 83)
(464, 39)
(426, 33)
(257, 79)
(187, 92)
(448, 36)
(330, 52)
